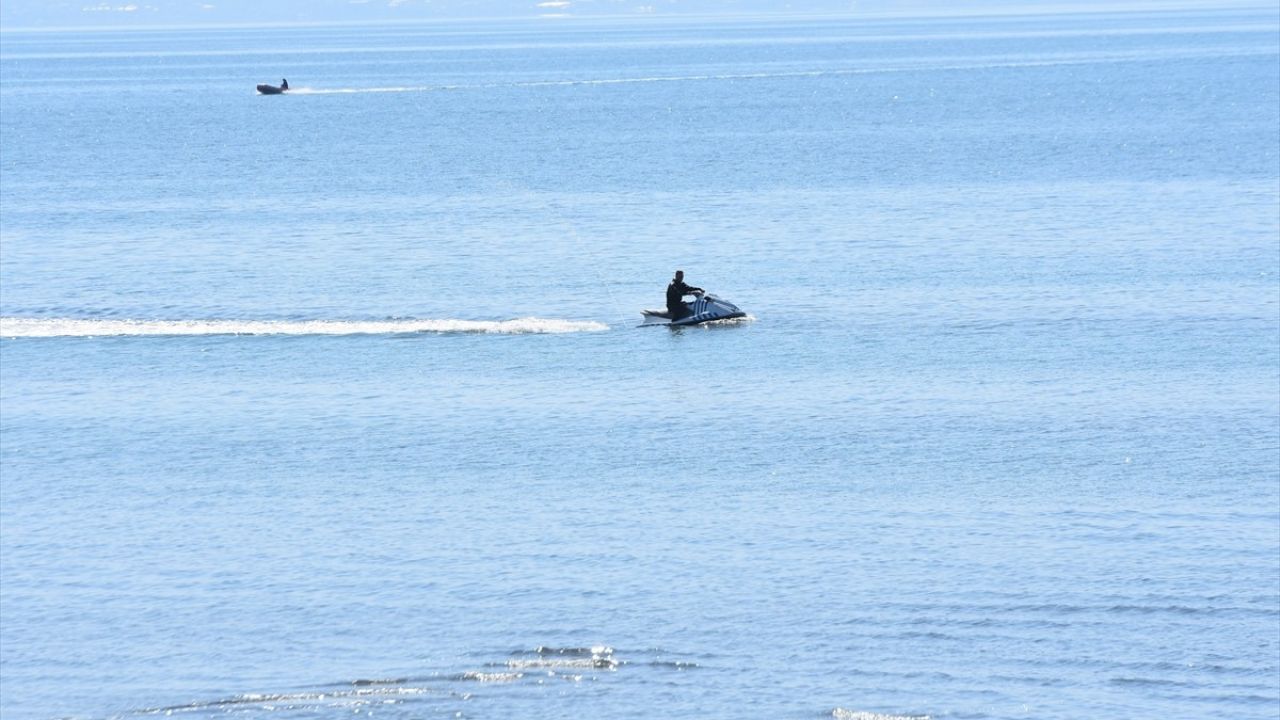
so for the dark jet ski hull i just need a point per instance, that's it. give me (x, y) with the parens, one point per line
(270, 90)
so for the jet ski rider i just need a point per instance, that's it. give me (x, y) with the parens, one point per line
(676, 291)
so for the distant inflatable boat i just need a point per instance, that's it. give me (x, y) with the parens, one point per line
(273, 89)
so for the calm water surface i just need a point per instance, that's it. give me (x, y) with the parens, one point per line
(333, 403)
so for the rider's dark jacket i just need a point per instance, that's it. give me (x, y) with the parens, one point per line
(675, 296)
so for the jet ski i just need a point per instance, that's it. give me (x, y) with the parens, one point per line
(705, 308)
(274, 89)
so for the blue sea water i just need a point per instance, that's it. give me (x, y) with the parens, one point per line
(333, 403)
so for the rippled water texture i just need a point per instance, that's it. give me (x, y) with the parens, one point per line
(334, 403)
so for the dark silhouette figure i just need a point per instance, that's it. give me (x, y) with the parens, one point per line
(676, 291)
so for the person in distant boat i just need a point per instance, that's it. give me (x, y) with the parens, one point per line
(676, 291)
(284, 84)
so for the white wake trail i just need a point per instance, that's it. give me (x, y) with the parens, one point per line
(923, 66)
(71, 327)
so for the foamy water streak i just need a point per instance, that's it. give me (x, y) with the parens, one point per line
(841, 714)
(67, 327)
(435, 691)
(924, 65)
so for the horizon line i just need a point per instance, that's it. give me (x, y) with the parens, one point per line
(1000, 10)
